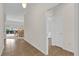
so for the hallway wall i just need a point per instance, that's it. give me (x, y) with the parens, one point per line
(35, 26)
(66, 13)
(1, 28)
(76, 29)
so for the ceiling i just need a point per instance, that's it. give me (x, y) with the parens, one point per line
(14, 12)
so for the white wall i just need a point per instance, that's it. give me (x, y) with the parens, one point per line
(35, 26)
(76, 29)
(65, 13)
(1, 28)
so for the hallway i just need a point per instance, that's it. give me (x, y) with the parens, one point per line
(20, 47)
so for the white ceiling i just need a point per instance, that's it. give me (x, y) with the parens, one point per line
(14, 12)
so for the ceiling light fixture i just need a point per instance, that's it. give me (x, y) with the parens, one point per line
(24, 4)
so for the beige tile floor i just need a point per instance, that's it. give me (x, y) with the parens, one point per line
(20, 47)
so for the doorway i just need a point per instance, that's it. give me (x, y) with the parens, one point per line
(14, 24)
(55, 29)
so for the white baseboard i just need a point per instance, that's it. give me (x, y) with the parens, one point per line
(64, 48)
(37, 48)
(1, 51)
(68, 50)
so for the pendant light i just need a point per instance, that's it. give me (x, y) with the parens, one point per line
(24, 4)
